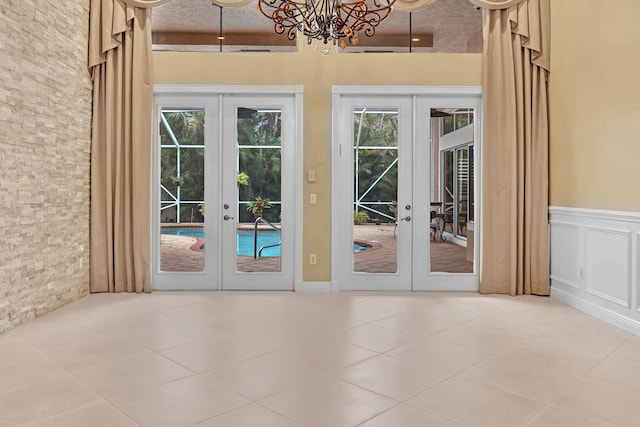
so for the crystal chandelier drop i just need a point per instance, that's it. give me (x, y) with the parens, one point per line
(329, 21)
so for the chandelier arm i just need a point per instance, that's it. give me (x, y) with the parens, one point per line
(284, 14)
(356, 12)
(365, 17)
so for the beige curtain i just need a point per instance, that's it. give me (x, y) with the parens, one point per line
(119, 56)
(515, 149)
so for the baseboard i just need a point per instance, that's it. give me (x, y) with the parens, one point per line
(599, 312)
(302, 286)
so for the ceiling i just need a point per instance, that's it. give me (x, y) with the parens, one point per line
(445, 26)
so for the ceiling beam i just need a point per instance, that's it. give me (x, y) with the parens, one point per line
(273, 39)
(230, 39)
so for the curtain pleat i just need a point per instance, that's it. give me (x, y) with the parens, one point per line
(515, 169)
(119, 57)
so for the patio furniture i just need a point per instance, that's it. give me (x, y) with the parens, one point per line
(436, 224)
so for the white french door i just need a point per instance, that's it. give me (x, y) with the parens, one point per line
(217, 155)
(375, 137)
(258, 141)
(391, 230)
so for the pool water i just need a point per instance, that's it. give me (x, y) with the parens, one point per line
(244, 243)
(245, 240)
(193, 232)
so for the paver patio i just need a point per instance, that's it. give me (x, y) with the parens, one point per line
(177, 253)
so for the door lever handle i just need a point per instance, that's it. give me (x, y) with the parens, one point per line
(406, 218)
(227, 217)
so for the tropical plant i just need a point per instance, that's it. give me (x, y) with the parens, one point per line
(258, 205)
(242, 179)
(360, 217)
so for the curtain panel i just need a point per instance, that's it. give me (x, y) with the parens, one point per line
(515, 172)
(119, 57)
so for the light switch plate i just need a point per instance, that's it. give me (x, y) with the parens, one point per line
(311, 175)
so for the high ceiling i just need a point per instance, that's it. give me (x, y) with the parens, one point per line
(453, 25)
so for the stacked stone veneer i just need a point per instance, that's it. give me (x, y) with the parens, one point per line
(45, 125)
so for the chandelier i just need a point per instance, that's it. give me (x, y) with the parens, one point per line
(329, 21)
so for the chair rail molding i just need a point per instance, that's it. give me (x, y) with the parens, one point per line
(595, 263)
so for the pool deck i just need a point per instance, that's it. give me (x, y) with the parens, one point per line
(177, 254)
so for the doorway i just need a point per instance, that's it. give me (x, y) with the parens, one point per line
(224, 191)
(394, 228)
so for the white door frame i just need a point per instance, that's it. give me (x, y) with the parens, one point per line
(344, 172)
(443, 96)
(210, 97)
(232, 278)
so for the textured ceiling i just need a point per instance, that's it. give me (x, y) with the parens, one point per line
(453, 23)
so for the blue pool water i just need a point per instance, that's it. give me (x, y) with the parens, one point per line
(245, 240)
(359, 248)
(193, 232)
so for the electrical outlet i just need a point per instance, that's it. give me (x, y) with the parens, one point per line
(313, 198)
(313, 259)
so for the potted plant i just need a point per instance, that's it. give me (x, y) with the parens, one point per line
(360, 217)
(242, 179)
(258, 205)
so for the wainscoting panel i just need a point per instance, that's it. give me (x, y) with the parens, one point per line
(595, 263)
(565, 265)
(607, 264)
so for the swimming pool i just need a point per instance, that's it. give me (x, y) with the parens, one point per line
(244, 240)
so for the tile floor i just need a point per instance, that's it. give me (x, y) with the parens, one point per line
(260, 359)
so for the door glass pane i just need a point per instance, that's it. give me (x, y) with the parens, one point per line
(375, 190)
(472, 201)
(462, 191)
(448, 189)
(259, 196)
(452, 205)
(182, 190)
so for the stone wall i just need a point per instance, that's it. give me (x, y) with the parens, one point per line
(45, 124)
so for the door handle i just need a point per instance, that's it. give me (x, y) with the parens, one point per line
(406, 218)
(227, 217)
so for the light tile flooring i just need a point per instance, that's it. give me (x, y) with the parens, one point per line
(261, 359)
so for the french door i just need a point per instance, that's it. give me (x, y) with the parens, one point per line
(391, 227)
(224, 192)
